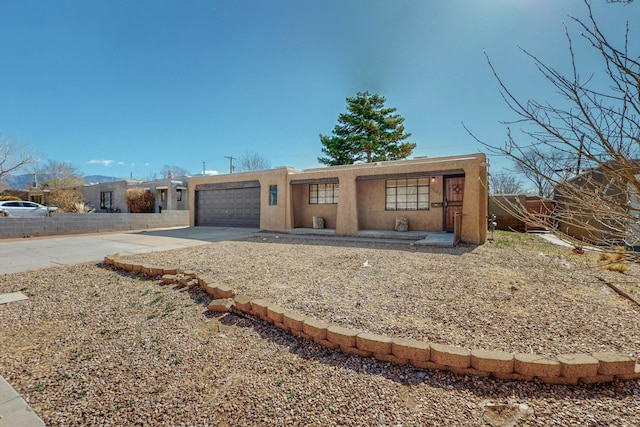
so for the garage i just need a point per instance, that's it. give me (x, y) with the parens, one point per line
(229, 204)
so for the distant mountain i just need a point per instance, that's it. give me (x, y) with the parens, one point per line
(25, 181)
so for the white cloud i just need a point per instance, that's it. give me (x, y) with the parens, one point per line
(211, 172)
(102, 162)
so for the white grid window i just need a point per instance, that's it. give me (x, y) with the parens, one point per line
(323, 194)
(411, 194)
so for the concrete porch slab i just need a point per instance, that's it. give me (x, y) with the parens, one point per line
(426, 238)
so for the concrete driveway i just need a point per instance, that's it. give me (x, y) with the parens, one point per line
(18, 255)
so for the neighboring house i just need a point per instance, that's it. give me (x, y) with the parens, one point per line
(428, 192)
(169, 194)
(582, 211)
(519, 212)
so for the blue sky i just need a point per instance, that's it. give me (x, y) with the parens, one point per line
(122, 88)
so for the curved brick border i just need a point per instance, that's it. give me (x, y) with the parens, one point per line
(571, 369)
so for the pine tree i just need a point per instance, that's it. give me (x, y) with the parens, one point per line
(368, 132)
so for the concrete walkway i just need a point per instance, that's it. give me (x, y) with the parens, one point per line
(14, 411)
(18, 255)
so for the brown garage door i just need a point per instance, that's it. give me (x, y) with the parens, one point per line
(231, 204)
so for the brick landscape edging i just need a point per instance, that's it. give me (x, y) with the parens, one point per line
(568, 369)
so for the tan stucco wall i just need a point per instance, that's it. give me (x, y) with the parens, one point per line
(272, 218)
(303, 212)
(355, 213)
(362, 196)
(373, 216)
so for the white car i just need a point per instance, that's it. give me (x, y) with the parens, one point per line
(23, 208)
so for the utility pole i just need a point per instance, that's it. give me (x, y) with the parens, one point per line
(203, 168)
(230, 163)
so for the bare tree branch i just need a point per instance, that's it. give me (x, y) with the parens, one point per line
(13, 157)
(587, 148)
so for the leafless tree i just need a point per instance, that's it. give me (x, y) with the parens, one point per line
(54, 174)
(252, 161)
(13, 157)
(535, 165)
(175, 171)
(504, 183)
(598, 132)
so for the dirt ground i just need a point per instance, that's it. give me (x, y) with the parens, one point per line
(95, 346)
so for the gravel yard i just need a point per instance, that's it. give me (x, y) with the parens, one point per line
(93, 346)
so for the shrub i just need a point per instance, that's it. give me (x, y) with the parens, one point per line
(65, 200)
(6, 198)
(615, 261)
(619, 267)
(140, 200)
(83, 207)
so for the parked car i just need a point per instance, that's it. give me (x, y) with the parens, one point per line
(24, 209)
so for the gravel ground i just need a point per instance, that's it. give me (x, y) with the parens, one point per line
(93, 346)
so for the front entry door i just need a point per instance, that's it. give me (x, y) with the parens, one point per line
(454, 190)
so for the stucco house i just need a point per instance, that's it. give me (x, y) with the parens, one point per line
(426, 192)
(583, 205)
(170, 194)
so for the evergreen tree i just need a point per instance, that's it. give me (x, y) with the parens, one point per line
(368, 132)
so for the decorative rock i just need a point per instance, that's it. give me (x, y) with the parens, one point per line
(293, 320)
(326, 343)
(505, 414)
(529, 364)
(204, 281)
(274, 313)
(190, 274)
(374, 343)
(301, 334)
(559, 380)
(315, 329)
(224, 291)
(342, 336)
(513, 376)
(220, 305)
(318, 222)
(171, 270)
(402, 224)
(492, 361)
(634, 376)
(597, 379)
(184, 280)
(448, 355)
(242, 303)
(281, 326)
(613, 363)
(155, 271)
(355, 351)
(259, 307)
(577, 365)
(411, 349)
(169, 279)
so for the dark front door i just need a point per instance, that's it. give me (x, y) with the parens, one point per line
(454, 190)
